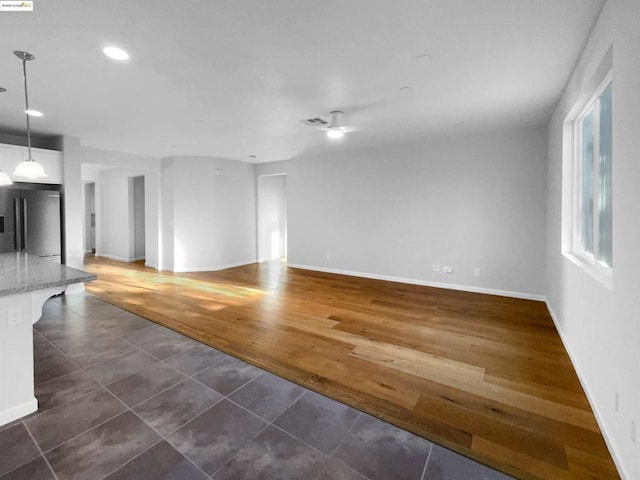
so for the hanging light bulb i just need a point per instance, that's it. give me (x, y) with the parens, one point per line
(335, 127)
(28, 168)
(335, 132)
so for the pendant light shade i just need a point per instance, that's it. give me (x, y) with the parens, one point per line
(4, 178)
(29, 168)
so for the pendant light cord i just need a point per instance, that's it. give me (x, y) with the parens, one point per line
(26, 102)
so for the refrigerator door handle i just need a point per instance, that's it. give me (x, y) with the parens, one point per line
(17, 240)
(24, 224)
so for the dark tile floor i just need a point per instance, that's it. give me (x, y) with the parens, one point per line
(124, 398)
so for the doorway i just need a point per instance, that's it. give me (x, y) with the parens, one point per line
(137, 206)
(89, 218)
(272, 217)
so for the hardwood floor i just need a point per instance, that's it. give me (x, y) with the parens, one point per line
(484, 375)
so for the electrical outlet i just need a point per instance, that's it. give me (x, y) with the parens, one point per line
(633, 432)
(476, 272)
(616, 403)
(435, 267)
(14, 316)
(446, 269)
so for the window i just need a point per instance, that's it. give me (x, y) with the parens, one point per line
(593, 232)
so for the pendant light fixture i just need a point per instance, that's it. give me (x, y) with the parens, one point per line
(28, 168)
(4, 179)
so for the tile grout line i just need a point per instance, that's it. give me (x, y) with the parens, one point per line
(162, 438)
(327, 456)
(98, 386)
(111, 472)
(89, 429)
(165, 439)
(331, 455)
(268, 424)
(185, 375)
(426, 462)
(46, 460)
(182, 380)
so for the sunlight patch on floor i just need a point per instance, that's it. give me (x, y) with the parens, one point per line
(144, 284)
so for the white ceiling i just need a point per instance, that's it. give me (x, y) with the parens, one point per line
(233, 78)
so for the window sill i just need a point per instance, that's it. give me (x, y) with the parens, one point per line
(588, 268)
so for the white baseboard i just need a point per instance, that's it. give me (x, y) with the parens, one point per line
(583, 383)
(425, 283)
(19, 411)
(112, 257)
(119, 259)
(212, 269)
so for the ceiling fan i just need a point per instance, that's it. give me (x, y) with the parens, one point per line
(331, 124)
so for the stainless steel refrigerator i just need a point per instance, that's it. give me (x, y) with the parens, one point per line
(30, 220)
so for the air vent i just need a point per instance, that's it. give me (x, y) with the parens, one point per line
(315, 122)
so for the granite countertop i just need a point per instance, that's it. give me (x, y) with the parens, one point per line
(21, 273)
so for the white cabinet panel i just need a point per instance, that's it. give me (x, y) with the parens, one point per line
(10, 157)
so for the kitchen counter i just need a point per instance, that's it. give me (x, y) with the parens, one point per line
(26, 282)
(21, 273)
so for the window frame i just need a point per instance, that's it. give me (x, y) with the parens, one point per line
(590, 259)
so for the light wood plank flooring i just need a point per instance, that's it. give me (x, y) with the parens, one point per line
(484, 375)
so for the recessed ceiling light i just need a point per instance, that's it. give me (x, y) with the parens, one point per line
(115, 53)
(252, 156)
(424, 58)
(405, 89)
(34, 113)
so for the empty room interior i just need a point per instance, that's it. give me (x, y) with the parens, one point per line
(332, 240)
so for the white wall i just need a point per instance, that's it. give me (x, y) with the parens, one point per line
(73, 205)
(601, 326)
(115, 228)
(476, 201)
(167, 249)
(208, 212)
(272, 217)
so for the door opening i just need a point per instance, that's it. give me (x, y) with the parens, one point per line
(137, 206)
(272, 217)
(89, 218)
